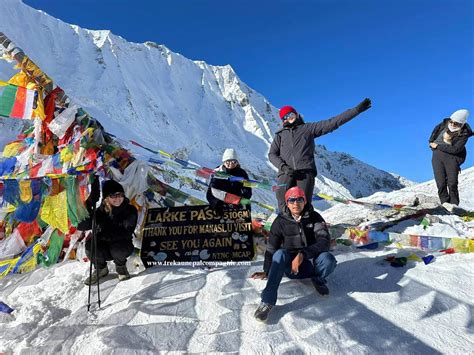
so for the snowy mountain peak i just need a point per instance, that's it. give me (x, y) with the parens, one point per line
(150, 94)
(100, 37)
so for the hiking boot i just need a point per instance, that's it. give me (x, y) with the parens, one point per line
(93, 279)
(449, 206)
(262, 311)
(122, 273)
(320, 287)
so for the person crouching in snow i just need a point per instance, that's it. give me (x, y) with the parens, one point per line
(230, 165)
(448, 143)
(298, 247)
(116, 220)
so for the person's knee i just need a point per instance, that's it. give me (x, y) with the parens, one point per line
(280, 256)
(121, 251)
(327, 260)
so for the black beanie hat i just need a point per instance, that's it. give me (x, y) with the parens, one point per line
(110, 187)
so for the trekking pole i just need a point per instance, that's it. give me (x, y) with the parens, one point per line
(94, 240)
(93, 257)
(90, 262)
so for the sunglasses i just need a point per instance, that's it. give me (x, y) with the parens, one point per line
(295, 199)
(289, 116)
(117, 195)
(455, 124)
(231, 161)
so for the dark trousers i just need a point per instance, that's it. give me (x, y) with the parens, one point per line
(317, 269)
(118, 251)
(303, 179)
(446, 171)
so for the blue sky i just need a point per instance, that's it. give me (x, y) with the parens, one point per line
(413, 58)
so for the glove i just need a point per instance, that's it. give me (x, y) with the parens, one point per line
(95, 190)
(218, 207)
(287, 170)
(364, 105)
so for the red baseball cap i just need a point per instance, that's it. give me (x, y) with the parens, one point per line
(295, 192)
(285, 110)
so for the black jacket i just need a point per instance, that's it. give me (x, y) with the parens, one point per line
(458, 146)
(309, 236)
(233, 187)
(294, 145)
(117, 226)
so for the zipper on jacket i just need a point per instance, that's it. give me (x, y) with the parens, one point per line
(302, 235)
(293, 148)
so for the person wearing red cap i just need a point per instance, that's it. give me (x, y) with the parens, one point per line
(298, 247)
(292, 149)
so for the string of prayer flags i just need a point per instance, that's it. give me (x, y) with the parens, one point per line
(360, 237)
(321, 196)
(225, 196)
(204, 172)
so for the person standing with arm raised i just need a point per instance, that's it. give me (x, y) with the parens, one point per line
(292, 149)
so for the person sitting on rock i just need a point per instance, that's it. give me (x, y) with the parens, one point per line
(298, 247)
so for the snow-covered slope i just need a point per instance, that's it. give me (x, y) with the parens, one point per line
(425, 193)
(373, 308)
(161, 99)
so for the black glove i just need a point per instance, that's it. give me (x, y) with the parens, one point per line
(218, 208)
(95, 190)
(364, 105)
(287, 170)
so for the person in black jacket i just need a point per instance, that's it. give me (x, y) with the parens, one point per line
(292, 149)
(230, 165)
(448, 143)
(298, 247)
(116, 220)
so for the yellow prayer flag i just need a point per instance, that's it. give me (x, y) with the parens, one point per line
(12, 149)
(414, 257)
(38, 112)
(66, 154)
(19, 79)
(326, 197)
(54, 211)
(25, 191)
(461, 245)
